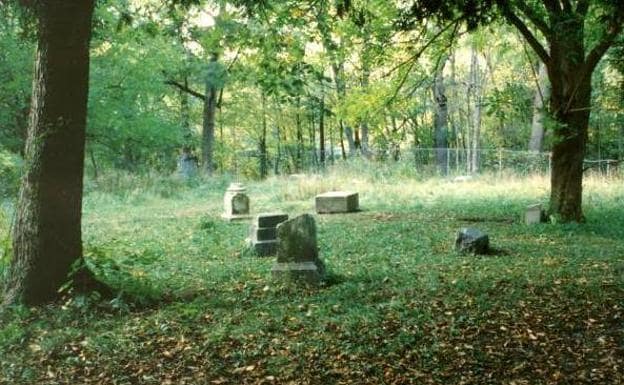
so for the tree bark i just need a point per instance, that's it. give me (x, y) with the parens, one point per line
(440, 120)
(570, 104)
(47, 230)
(542, 93)
(209, 114)
(262, 144)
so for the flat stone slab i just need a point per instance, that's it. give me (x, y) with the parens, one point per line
(533, 214)
(269, 219)
(337, 202)
(471, 240)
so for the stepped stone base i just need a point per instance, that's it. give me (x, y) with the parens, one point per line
(263, 233)
(337, 202)
(264, 248)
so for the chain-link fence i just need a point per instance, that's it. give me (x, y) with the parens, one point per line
(419, 161)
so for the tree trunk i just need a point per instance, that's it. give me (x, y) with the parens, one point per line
(262, 146)
(570, 105)
(322, 131)
(47, 232)
(209, 114)
(440, 120)
(476, 86)
(542, 93)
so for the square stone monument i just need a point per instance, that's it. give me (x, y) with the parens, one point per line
(337, 202)
(297, 251)
(471, 240)
(236, 203)
(533, 214)
(263, 233)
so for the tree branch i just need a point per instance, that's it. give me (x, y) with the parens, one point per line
(552, 6)
(527, 34)
(602, 46)
(530, 14)
(186, 89)
(582, 6)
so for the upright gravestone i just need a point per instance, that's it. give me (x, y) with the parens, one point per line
(236, 202)
(263, 237)
(336, 202)
(533, 214)
(470, 240)
(187, 164)
(297, 251)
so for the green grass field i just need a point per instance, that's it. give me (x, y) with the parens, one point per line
(399, 305)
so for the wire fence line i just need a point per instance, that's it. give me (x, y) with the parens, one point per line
(422, 161)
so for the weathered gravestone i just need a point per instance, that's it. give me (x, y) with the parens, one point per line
(236, 202)
(297, 251)
(533, 214)
(187, 164)
(263, 236)
(336, 202)
(470, 240)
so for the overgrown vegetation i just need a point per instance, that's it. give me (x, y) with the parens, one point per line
(400, 305)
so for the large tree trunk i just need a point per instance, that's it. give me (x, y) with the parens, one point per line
(209, 114)
(440, 120)
(570, 105)
(542, 93)
(47, 233)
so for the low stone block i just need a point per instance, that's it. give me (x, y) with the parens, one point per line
(470, 240)
(269, 219)
(336, 202)
(533, 214)
(297, 251)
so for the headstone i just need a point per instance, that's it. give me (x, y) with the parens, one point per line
(187, 164)
(470, 240)
(236, 202)
(336, 202)
(297, 251)
(533, 214)
(263, 233)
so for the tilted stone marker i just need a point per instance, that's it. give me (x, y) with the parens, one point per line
(337, 202)
(236, 203)
(533, 214)
(297, 251)
(470, 240)
(263, 237)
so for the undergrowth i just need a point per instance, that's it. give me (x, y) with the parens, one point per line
(400, 306)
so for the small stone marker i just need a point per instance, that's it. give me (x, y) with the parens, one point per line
(263, 237)
(533, 214)
(297, 251)
(470, 240)
(236, 202)
(336, 202)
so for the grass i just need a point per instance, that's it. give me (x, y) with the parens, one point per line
(400, 305)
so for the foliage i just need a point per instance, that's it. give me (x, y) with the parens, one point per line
(10, 173)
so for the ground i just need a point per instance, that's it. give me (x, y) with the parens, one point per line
(399, 306)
